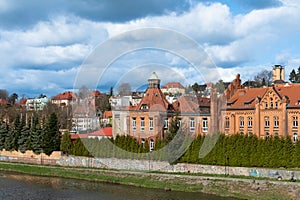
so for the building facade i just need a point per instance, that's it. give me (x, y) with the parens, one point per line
(151, 118)
(267, 111)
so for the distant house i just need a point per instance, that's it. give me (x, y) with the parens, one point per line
(173, 88)
(105, 132)
(84, 118)
(4, 102)
(36, 103)
(64, 99)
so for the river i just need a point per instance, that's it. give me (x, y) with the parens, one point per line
(19, 186)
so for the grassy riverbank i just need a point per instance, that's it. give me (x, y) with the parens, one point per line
(234, 187)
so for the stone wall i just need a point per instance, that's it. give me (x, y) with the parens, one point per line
(30, 157)
(143, 165)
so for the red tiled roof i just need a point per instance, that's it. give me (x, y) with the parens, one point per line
(107, 131)
(173, 85)
(242, 96)
(190, 104)
(107, 114)
(65, 96)
(248, 95)
(154, 99)
(76, 136)
(22, 101)
(2, 101)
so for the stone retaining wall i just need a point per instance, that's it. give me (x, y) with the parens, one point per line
(143, 165)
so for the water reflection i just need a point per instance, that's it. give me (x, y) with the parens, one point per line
(18, 186)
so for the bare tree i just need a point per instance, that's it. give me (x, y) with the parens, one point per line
(124, 89)
(263, 78)
(3, 94)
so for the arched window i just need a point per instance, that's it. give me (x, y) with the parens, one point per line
(271, 102)
(267, 135)
(151, 145)
(295, 137)
(249, 122)
(242, 122)
(267, 122)
(275, 134)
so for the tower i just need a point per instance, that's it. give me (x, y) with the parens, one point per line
(278, 74)
(153, 81)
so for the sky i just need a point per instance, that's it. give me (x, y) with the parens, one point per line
(44, 45)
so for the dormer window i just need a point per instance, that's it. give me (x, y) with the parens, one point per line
(144, 107)
(298, 102)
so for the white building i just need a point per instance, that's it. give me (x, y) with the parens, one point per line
(36, 103)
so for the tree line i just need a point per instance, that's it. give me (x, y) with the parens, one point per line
(40, 135)
(235, 150)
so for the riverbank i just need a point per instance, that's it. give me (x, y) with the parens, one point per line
(243, 188)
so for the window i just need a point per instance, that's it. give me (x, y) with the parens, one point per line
(204, 125)
(166, 124)
(142, 123)
(271, 102)
(134, 123)
(295, 137)
(276, 134)
(144, 107)
(276, 122)
(249, 122)
(295, 122)
(143, 143)
(267, 135)
(227, 122)
(267, 122)
(242, 122)
(150, 123)
(179, 122)
(192, 124)
(276, 104)
(151, 145)
(266, 105)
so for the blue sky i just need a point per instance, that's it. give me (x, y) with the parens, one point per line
(44, 43)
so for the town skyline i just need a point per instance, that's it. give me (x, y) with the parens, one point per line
(43, 52)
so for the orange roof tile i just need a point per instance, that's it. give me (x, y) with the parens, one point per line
(154, 99)
(65, 96)
(106, 131)
(173, 85)
(107, 114)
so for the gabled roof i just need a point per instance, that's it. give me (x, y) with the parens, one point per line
(191, 104)
(173, 85)
(292, 91)
(246, 95)
(154, 100)
(68, 95)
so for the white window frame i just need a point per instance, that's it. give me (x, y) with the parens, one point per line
(267, 122)
(151, 145)
(250, 122)
(151, 123)
(134, 123)
(166, 124)
(295, 137)
(295, 122)
(192, 124)
(276, 121)
(142, 123)
(242, 122)
(204, 125)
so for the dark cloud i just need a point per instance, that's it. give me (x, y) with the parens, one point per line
(19, 14)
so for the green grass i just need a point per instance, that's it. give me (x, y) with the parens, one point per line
(222, 187)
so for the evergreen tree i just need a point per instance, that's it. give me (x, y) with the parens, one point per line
(3, 134)
(293, 76)
(51, 136)
(10, 140)
(66, 144)
(24, 139)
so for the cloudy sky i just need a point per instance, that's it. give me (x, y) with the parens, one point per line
(44, 44)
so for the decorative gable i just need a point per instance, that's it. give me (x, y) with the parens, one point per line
(271, 100)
